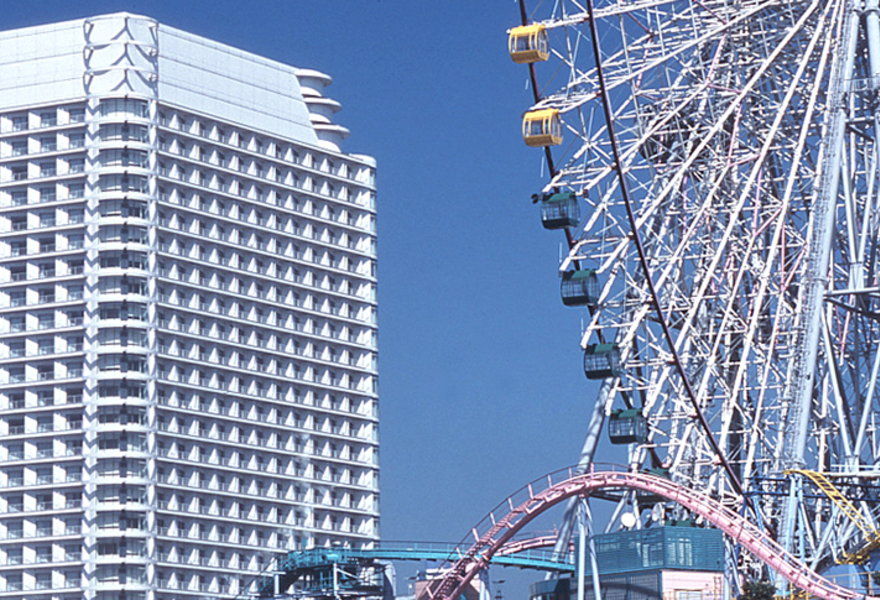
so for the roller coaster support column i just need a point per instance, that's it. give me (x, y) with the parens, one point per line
(800, 392)
(594, 429)
(585, 536)
(582, 546)
(795, 498)
(485, 592)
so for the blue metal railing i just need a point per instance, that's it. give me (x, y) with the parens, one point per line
(302, 562)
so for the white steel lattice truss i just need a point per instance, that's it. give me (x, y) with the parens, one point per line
(747, 135)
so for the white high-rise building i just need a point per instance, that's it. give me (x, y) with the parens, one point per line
(187, 315)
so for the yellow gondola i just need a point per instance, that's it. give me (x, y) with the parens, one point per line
(542, 128)
(528, 44)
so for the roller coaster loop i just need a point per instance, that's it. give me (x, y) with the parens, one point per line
(509, 517)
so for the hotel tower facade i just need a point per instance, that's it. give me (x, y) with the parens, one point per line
(187, 315)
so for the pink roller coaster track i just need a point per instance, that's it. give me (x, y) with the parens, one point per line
(497, 529)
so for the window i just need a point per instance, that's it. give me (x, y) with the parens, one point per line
(17, 298)
(74, 344)
(124, 107)
(16, 323)
(123, 131)
(48, 119)
(74, 241)
(74, 395)
(124, 157)
(47, 194)
(123, 310)
(75, 292)
(123, 233)
(108, 547)
(46, 320)
(122, 363)
(123, 389)
(123, 183)
(13, 580)
(123, 259)
(122, 337)
(47, 270)
(131, 208)
(47, 346)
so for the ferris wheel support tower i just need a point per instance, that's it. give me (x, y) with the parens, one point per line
(822, 226)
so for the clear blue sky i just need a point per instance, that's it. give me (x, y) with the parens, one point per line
(481, 388)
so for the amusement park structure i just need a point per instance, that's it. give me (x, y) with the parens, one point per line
(713, 165)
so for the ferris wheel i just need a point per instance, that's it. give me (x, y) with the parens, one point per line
(714, 166)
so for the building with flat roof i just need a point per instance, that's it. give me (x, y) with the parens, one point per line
(187, 315)
(675, 561)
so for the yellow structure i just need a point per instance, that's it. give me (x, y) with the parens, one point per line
(542, 128)
(528, 44)
(872, 535)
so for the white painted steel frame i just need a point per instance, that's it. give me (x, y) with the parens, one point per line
(747, 134)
